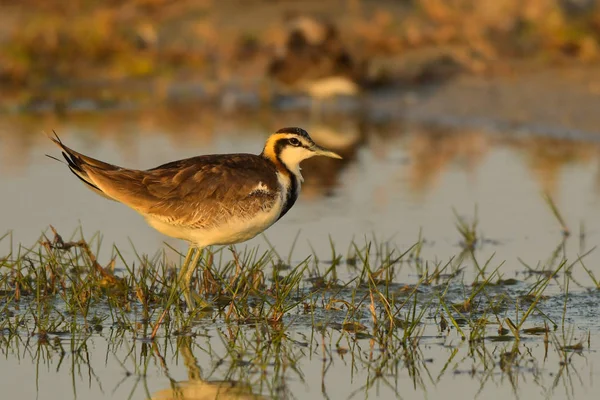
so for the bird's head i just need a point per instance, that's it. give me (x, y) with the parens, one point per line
(290, 146)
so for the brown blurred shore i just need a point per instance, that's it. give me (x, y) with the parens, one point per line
(108, 50)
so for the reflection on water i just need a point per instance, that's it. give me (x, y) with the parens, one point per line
(431, 150)
(196, 388)
(237, 362)
(397, 179)
(548, 158)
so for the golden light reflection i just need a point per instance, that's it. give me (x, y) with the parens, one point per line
(196, 388)
(547, 158)
(322, 174)
(22, 136)
(423, 154)
(432, 151)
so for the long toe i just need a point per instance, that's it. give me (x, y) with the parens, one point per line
(201, 303)
(189, 300)
(195, 302)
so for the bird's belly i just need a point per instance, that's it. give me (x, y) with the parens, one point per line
(235, 230)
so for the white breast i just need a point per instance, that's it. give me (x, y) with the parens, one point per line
(331, 86)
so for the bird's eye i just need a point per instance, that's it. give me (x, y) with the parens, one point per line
(294, 142)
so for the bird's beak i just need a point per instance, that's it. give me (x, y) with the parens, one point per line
(320, 151)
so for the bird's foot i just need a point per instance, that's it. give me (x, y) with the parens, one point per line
(195, 302)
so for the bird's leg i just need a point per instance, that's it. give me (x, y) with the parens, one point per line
(186, 262)
(184, 267)
(186, 277)
(183, 273)
(236, 261)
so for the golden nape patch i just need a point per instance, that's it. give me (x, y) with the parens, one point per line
(269, 150)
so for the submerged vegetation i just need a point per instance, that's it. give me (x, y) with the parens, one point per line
(375, 306)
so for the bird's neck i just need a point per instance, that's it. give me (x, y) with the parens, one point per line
(290, 186)
(290, 181)
(295, 171)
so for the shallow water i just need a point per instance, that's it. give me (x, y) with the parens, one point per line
(396, 180)
(399, 180)
(440, 368)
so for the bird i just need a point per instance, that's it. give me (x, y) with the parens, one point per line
(216, 199)
(315, 61)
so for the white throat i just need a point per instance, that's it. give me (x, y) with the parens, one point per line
(291, 157)
(296, 170)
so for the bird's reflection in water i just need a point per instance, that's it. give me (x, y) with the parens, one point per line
(196, 388)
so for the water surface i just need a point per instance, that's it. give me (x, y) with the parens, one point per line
(399, 181)
(396, 180)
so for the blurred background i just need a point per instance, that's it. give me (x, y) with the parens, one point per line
(436, 105)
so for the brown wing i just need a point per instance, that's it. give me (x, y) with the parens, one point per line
(201, 191)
